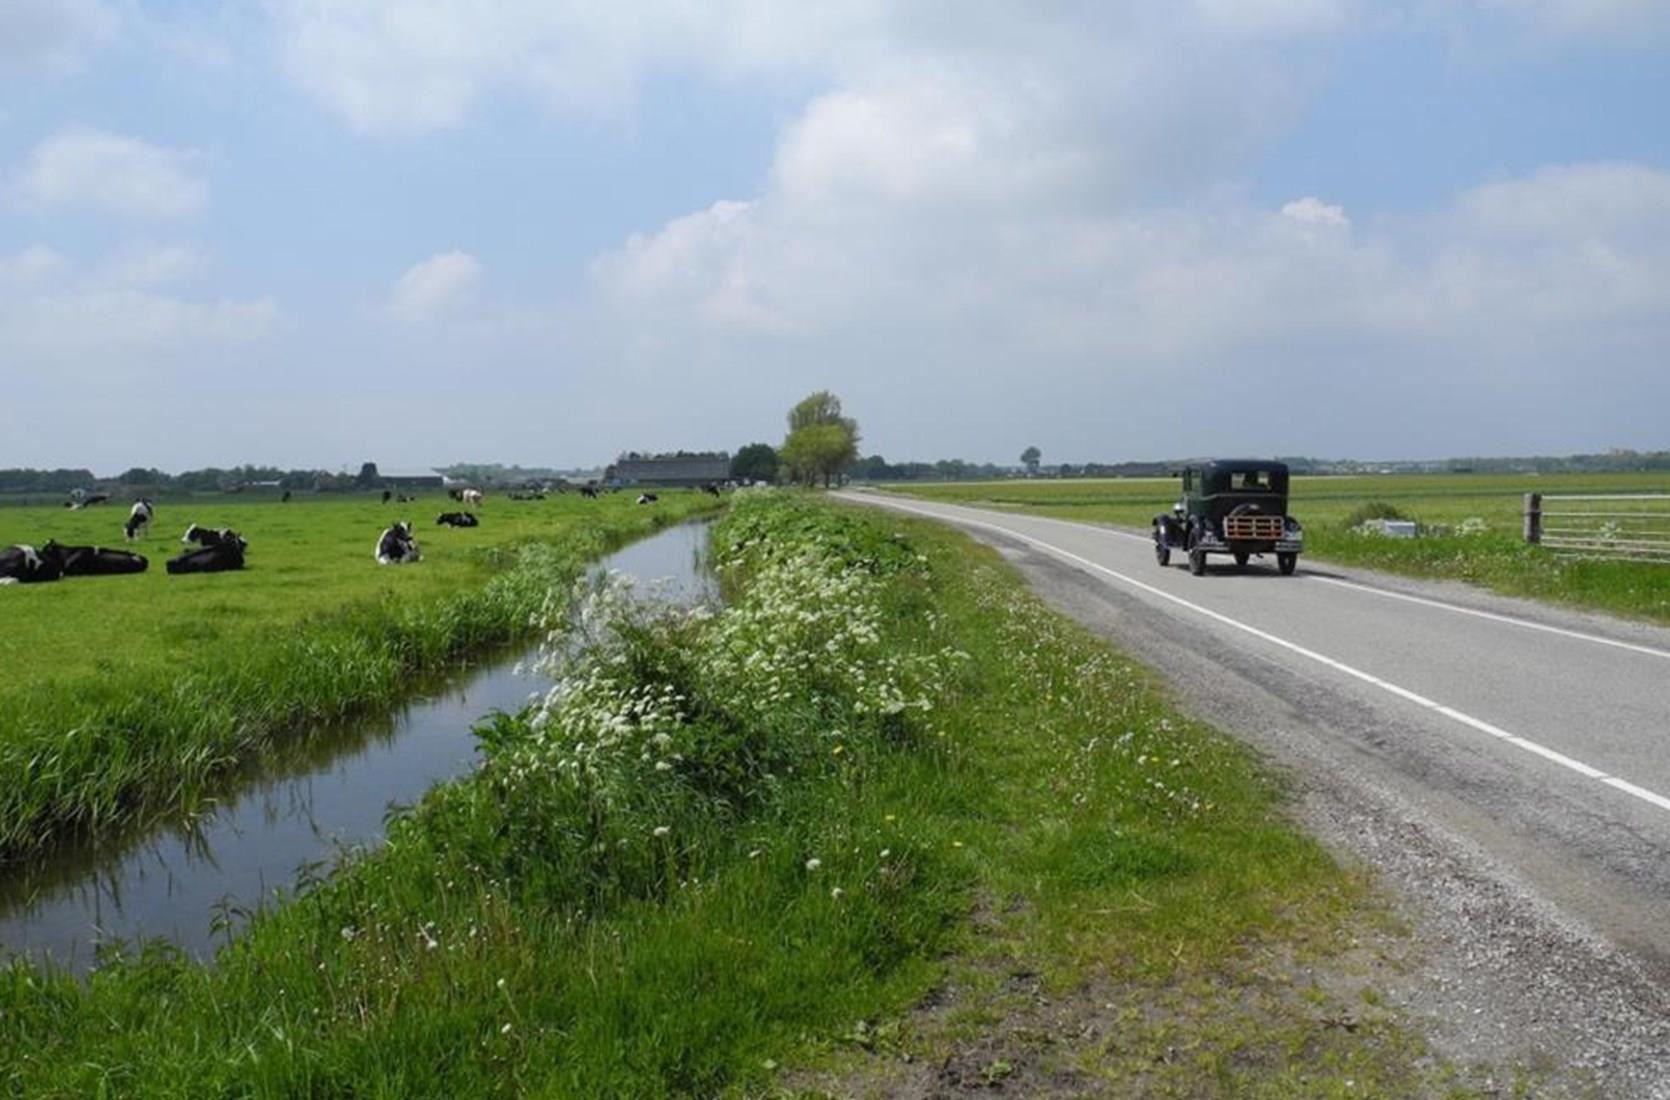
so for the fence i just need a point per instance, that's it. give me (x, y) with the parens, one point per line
(1622, 526)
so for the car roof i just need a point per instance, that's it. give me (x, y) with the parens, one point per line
(1235, 465)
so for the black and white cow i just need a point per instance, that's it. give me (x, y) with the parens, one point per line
(397, 546)
(472, 497)
(208, 536)
(589, 492)
(647, 498)
(95, 561)
(26, 565)
(457, 519)
(139, 519)
(219, 557)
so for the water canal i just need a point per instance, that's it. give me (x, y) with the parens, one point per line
(327, 795)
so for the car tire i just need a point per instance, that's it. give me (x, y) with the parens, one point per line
(1197, 562)
(1287, 563)
(1162, 552)
(1241, 559)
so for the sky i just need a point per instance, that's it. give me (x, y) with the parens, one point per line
(311, 233)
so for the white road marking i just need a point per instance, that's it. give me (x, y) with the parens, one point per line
(1528, 624)
(1418, 699)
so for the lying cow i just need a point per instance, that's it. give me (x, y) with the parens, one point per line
(139, 519)
(219, 557)
(94, 561)
(209, 536)
(397, 546)
(457, 519)
(647, 498)
(26, 565)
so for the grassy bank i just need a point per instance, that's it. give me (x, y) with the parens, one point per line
(1470, 524)
(131, 694)
(741, 840)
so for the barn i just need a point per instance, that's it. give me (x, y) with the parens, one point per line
(673, 471)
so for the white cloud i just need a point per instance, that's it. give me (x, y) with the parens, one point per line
(151, 265)
(436, 287)
(116, 174)
(33, 267)
(1313, 211)
(52, 34)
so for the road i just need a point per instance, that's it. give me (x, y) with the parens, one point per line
(1504, 765)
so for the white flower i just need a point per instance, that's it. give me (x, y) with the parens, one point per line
(837, 893)
(662, 830)
(813, 864)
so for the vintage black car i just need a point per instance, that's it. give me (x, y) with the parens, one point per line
(1231, 506)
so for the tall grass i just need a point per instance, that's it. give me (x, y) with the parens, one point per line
(83, 755)
(725, 839)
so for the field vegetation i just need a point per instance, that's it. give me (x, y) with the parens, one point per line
(738, 839)
(1471, 527)
(130, 694)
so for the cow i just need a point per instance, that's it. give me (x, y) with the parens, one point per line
(94, 561)
(81, 498)
(589, 492)
(457, 519)
(472, 497)
(285, 499)
(208, 536)
(219, 557)
(396, 546)
(139, 519)
(647, 498)
(711, 489)
(26, 565)
(387, 496)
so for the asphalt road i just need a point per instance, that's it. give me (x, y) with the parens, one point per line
(1503, 764)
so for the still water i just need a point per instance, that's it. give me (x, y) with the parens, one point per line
(327, 794)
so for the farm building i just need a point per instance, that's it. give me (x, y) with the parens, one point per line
(684, 470)
(412, 480)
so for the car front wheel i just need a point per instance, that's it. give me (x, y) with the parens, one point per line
(1162, 552)
(1287, 563)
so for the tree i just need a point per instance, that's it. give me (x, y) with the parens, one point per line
(368, 477)
(755, 462)
(1030, 459)
(821, 442)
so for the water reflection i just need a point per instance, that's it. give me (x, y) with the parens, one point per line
(298, 810)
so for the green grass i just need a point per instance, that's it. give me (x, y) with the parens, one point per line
(1329, 507)
(883, 737)
(129, 695)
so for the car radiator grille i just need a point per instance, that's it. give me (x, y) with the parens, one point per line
(1252, 527)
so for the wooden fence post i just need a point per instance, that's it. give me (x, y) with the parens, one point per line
(1533, 517)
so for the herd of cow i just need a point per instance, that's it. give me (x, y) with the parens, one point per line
(217, 550)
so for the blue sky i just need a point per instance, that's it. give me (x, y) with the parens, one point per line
(315, 233)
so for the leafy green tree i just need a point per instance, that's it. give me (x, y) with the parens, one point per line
(1030, 459)
(821, 442)
(755, 462)
(368, 477)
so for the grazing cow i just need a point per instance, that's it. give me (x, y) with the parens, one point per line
(139, 519)
(397, 546)
(387, 496)
(26, 565)
(589, 492)
(207, 536)
(218, 557)
(647, 498)
(457, 519)
(94, 561)
(472, 497)
(711, 489)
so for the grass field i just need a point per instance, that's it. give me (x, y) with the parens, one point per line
(129, 693)
(756, 837)
(1491, 552)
